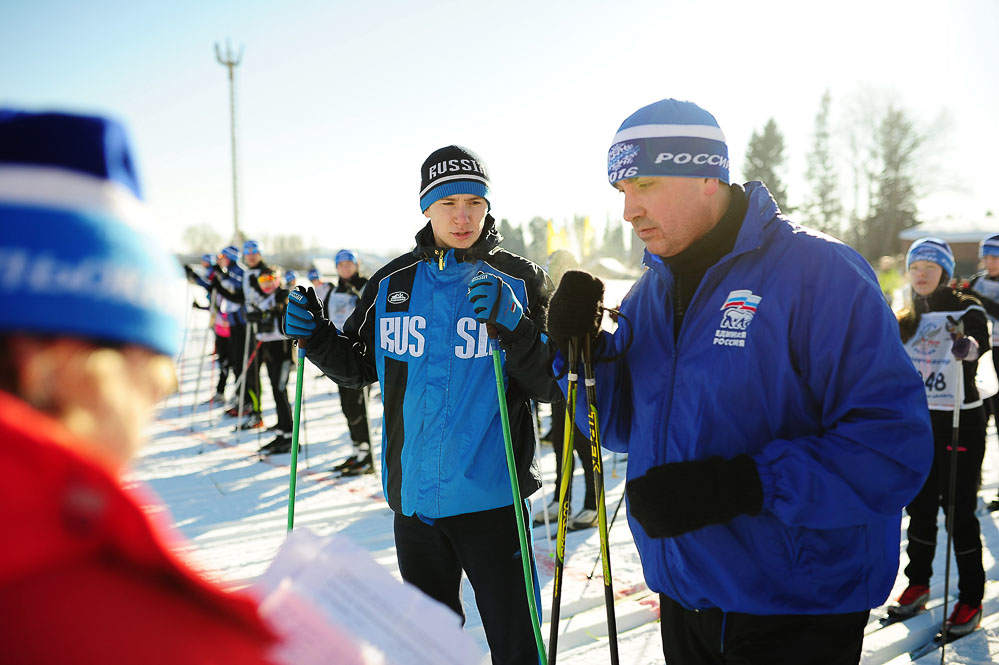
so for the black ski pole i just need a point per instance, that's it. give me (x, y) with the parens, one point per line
(610, 527)
(598, 481)
(248, 331)
(563, 496)
(951, 494)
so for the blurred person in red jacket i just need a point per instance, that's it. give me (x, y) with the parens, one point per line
(88, 327)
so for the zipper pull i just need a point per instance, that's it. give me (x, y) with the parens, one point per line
(441, 254)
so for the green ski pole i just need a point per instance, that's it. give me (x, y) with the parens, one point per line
(294, 437)
(517, 502)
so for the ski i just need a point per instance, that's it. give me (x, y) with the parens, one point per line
(888, 619)
(935, 643)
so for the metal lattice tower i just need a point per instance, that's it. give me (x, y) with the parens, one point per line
(230, 60)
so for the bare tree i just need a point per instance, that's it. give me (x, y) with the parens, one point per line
(201, 239)
(894, 164)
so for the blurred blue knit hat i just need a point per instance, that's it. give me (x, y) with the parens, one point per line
(313, 275)
(668, 138)
(251, 247)
(931, 249)
(207, 258)
(231, 252)
(290, 277)
(989, 246)
(344, 255)
(75, 265)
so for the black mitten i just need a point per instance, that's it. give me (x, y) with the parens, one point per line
(676, 498)
(576, 308)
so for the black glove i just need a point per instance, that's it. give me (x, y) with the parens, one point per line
(576, 308)
(254, 316)
(191, 275)
(676, 498)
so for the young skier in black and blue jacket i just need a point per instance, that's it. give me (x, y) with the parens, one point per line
(416, 331)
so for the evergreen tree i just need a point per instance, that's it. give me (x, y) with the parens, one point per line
(823, 208)
(538, 250)
(637, 251)
(513, 237)
(613, 244)
(765, 159)
(894, 199)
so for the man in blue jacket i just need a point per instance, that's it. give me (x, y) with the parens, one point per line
(421, 329)
(774, 425)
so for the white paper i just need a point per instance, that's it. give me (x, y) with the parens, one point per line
(331, 600)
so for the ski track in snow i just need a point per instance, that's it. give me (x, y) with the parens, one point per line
(231, 505)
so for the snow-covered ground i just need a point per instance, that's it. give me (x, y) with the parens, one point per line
(232, 506)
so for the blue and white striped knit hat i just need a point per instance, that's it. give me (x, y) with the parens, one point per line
(668, 138)
(231, 252)
(989, 246)
(73, 262)
(931, 249)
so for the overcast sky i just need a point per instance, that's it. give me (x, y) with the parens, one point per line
(340, 102)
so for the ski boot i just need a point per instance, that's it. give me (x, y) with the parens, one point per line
(281, 442)
(217, 398)
(253, 421)
(346, 464)
(584, 519)
(964, 619)
(539, 517)
(910, 603)
(360, 467)
(279, 446)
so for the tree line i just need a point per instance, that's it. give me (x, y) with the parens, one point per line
(864, 178)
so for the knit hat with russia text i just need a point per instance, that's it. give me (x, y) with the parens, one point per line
(452, 170)
(668, 138)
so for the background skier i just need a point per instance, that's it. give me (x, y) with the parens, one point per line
(340, 303)
(940, 328)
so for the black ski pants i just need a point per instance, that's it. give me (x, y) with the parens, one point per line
(354, 404)
(222, 354)
(277, 358)
(237, 344)
(485, 545)
(713, 637)
(935, 494)
(581, 444)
